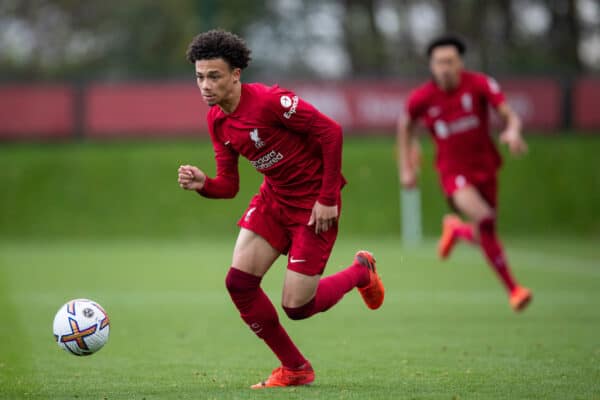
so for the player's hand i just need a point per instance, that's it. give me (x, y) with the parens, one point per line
(408, 178)
(323, 217)
(514, 141)
(190, 177)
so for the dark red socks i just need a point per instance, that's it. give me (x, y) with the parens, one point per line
(494, 253)
(331, 290)
(259, 314)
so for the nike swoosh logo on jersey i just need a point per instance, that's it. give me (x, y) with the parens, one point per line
(227, 143)
(295, 260)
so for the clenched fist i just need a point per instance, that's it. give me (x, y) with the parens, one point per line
(190, 177)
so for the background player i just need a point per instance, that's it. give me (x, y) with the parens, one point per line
(454, 107)
(298, 149)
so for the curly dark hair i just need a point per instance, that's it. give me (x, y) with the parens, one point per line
(447, 40)
(218, 43)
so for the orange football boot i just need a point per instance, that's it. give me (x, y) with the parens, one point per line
(282, 376)
(520, 297)
(448, 238)
(374, 292)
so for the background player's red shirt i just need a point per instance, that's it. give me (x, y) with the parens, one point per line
(297, 148)
(459, 122)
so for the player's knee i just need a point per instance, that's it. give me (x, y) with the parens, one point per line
(302, 312)
(238, 281)
(486, 213)
(295, 314)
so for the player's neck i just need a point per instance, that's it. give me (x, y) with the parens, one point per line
(231, 102)
(451, 85)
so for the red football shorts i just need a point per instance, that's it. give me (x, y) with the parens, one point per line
(286, 229)
(486, 184)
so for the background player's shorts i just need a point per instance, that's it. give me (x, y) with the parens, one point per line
(286, 229)
(486, 184)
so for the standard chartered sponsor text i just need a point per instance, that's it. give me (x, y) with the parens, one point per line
(268, 160)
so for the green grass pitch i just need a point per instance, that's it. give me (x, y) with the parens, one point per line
(445, 330)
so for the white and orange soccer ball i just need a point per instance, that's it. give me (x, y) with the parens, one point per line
(81, 327)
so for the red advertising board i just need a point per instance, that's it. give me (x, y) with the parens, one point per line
(36, 111)
(538, 101)
(372, 106)
(175, 109)
(586, 104)
(144, 109)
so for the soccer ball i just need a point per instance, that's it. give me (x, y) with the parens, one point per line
(81, 327)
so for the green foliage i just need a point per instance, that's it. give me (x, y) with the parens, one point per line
(136, 39)
(130, 189)
(140, 39)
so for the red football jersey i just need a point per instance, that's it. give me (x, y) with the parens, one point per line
(459, 122)
(297, 148)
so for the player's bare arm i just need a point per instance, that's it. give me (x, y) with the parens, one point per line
(408, 152)
(190, 177)
(511, 135)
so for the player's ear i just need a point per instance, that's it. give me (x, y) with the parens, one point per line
(237, 74)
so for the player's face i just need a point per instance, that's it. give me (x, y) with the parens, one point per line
(446, 65)
(216, 80)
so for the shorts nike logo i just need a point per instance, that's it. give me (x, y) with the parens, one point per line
(295, 260)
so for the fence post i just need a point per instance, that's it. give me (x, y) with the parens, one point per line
(79, 110)
(566, 85)
(412, 232)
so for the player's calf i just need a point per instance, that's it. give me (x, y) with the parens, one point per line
(361, 274)
(251, 302)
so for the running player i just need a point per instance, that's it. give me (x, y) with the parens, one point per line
(453, 105)
(298, 150)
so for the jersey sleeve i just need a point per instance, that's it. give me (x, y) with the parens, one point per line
(302, 117)
(491, 90)
(226, 183)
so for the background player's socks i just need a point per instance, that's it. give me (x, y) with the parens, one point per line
(493, 251)
(465, 232)
(258, 312)
(331, 290)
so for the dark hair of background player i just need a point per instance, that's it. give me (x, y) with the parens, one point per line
(218, 43)
(447, 40)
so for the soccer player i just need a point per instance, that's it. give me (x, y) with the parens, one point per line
(453, 105)
(298, 150)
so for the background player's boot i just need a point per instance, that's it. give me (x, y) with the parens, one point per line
(448, 238)
(373, 293)
(282, 376)
(520, 297)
